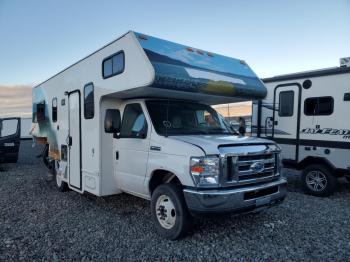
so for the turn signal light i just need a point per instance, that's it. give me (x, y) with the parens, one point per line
(197, 169)
(143, 37)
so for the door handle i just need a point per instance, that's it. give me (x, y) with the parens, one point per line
(117, 155)
(69, 140)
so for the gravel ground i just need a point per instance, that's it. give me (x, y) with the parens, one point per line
(39, 223)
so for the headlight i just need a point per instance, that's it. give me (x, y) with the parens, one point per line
(205, 170)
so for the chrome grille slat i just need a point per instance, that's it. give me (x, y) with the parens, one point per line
(250, 172)
(270, 160)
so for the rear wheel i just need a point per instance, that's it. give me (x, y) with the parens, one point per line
(169, 212)
(58, 175)
(318, 180)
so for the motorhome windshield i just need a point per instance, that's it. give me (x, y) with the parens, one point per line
(185, 118)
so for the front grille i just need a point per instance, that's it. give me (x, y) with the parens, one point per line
(251, 167)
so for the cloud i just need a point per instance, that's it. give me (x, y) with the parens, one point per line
(15, 100)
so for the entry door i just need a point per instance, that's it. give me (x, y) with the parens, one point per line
(74, 139)
(132, 148)
(286, 119)
(10, 132)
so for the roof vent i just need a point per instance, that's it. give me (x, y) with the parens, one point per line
(345, 62)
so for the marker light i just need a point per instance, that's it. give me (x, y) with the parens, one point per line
(143, 37)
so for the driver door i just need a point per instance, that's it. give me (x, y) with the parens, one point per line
(10, 132)
(132, 149)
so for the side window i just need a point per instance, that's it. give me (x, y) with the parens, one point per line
(134, 124)
(113, 65)
(89, 105)
(54, 110)
(286, 107)
(347, 97)
(8, 127)
(319, 106)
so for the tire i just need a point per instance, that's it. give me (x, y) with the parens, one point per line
(60, 185)
(169, 212)
(317, 180)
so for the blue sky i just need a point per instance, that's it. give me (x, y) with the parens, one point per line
(41, 37)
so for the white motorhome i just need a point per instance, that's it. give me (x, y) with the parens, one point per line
(306, 114)
(135, 117)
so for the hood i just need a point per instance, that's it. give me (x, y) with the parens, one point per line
(211, 143)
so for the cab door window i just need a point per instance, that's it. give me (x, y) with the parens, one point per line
(8, 127)
(134, 124)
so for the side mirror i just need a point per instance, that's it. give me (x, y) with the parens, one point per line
(112, 121)
(242, 127)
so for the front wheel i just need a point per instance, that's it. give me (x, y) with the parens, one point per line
(318, 180)
(169, 212)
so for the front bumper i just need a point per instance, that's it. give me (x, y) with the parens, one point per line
(239, 200)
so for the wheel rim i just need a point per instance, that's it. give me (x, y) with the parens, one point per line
(165, 211)
(316, 180)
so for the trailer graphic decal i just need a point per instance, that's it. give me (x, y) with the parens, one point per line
(43, 128)
(327, 131)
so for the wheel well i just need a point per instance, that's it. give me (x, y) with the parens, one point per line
(161, 176)
(310, 160)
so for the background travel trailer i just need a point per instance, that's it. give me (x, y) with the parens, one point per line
(307, 115)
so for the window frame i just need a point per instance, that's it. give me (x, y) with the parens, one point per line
(318, 107)
(93, 101)
(54, 114)
(122, 122)
(279, 101)
(111, 58)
